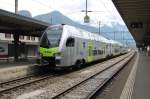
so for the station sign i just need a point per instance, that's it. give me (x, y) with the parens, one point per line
(136, 25)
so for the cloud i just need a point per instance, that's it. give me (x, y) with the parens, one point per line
(70, 8)
(7, 5)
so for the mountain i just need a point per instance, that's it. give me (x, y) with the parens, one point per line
(25, 13)
(56, 17)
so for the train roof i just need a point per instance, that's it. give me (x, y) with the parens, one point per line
(80, 33)
(115, 42)
(76, 32)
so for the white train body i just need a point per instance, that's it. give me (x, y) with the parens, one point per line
(75, 46)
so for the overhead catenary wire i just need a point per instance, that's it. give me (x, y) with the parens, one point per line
(8, 4)
(43, 4)
(113, 12)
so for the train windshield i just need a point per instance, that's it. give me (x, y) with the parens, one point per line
(51, 37)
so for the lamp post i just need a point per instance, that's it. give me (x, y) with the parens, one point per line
(86, 8)
(99, 29)
(114, 35)
(86, 18)
(16, 6)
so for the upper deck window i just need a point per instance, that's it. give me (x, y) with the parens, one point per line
(53, 34)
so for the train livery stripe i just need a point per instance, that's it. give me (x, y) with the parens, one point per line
(48, 52)
(90, 57)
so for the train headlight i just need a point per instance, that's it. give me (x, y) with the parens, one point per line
(57, 54)
(39, 55)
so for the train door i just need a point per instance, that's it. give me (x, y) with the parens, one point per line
(110, 49)
(70, 43)
(90, 47)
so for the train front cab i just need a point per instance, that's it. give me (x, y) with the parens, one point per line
(49, 45)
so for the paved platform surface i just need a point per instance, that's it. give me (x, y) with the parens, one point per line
(114, 89)
(142, 81)
(7, 65)
(12, 70)
(19, 63)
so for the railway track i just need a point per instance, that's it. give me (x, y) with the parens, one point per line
(20, 82)
(88, 87)
(24, 81)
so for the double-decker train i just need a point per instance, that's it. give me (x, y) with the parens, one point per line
(64, 46)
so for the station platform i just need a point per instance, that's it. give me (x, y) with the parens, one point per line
(133, 82)
(141, 89)
(13, 70)
(14, 64)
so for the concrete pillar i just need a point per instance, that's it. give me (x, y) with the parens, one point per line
(148, 50)
(16, 46)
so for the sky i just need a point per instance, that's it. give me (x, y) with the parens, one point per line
(103, 10)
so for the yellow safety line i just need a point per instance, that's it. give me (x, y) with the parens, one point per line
(128, 88)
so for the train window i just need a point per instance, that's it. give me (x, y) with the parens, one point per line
(54, 35)
(44, 41)
(95, 52)
(83, 44)
(70, 42)
(100, 52)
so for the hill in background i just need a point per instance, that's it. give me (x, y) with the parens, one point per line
(56, 17)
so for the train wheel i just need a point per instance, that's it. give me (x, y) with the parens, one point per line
(78, 64)
(83, 62)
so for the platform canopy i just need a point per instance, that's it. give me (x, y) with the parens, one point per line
(14, 23)
(136, 14)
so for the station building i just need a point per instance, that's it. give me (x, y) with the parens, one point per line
(28, 46)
